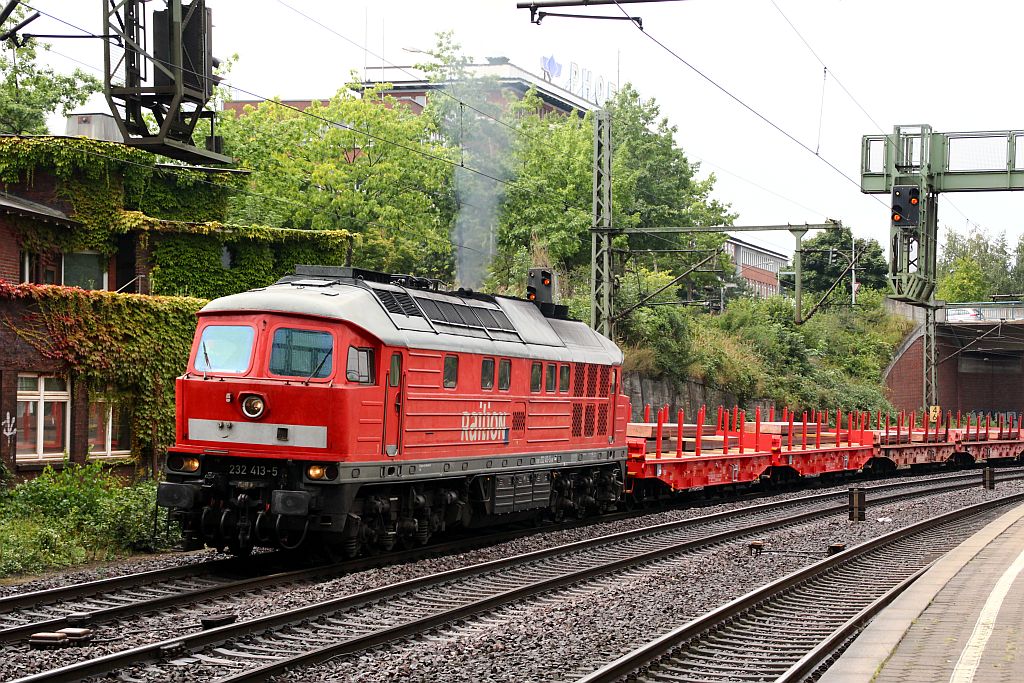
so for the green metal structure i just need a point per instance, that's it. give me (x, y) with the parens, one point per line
(916, 161)
(917, 157)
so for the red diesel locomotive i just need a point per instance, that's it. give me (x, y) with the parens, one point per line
(364, 409)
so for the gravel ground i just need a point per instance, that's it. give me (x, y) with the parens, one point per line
(136, 563)
(572, 633)
(544, 629)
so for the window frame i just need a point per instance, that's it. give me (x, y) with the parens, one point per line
(483, 385)
(371, 368)
(104, 264)
(536, 376)
(333, 358)
(564, 374)
(193, 367)
(551, 378)
(107, 452)
(41, 397)
(395, 374)
(444, 372)
(506, 365)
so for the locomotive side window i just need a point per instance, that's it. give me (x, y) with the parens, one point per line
(504, 374)
(302, 353)
(549, 385)
(563, 378)
(536, 376)
(615, 382)
(451, 371)
(395, 373)
(487, 374)
(360, 366)
(225, 348)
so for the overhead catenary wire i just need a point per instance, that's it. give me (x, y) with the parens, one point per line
(728, 93)
(853, 99)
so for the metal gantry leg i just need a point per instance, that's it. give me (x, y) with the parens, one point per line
(931, 384)
(602, 279)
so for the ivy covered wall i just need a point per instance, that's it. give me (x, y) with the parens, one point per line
(125, 348)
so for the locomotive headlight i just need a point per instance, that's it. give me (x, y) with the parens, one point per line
(253, 406)
(190, 465)
(316, 471)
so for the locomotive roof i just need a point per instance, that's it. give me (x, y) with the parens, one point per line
(414, 318)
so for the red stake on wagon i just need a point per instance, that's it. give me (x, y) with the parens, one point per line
(679, 434)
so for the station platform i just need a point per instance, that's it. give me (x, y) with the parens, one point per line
(962, 621)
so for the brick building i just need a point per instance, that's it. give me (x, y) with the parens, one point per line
(757, 266)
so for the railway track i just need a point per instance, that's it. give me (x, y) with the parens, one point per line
(104, 600)
(789, 629)
(258, 648)
(101, 601)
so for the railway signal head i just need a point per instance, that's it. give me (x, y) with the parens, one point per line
(906, 205)
(540, 286)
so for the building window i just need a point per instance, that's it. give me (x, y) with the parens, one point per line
(85, 269)
(43, 427)
(109, 430)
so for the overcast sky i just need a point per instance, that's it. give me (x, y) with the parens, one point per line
(939, 62)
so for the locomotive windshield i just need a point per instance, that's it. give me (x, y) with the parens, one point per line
(225, 348)
(301, 353)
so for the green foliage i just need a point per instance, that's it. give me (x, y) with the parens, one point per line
(380, 176)
(978, 265)
(29, 93)
(753, 350)
(827, 259)
(76, 514)
(127, 347)
(110, 189)
(964, 281)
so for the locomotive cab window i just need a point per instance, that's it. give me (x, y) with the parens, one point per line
(536, 376)
(302, 353)
(504, 374)
(549, 385)
(563, 378)
(451, 371)
(224, 348)
(487, 373)
(360, 366)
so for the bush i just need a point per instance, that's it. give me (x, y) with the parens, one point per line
(76, 514)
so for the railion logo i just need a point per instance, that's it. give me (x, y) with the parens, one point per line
(484, 425)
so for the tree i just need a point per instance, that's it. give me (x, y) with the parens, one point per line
(361, 162)
(29, 93)
(965, 282)
(990, 254)
(654, 185)
(827, 256)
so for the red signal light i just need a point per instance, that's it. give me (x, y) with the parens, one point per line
(547, 281)
(896, 218)
(914, 200)
(531, 296)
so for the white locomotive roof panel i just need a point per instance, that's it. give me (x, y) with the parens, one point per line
(430, 320)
